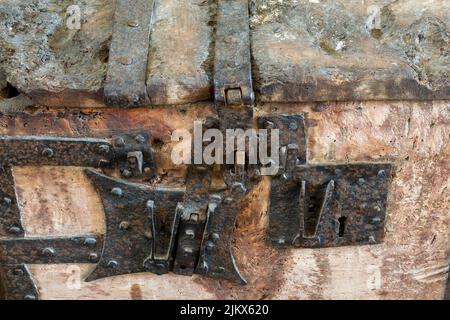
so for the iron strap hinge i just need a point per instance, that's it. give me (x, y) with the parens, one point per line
(131, 152)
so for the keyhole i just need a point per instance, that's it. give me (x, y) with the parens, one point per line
(342, 222)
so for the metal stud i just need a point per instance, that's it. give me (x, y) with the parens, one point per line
(47, 152)
(117, 192)
(124, 225)
(133, 23)
(90, 242)
(15, 230)
(113, 264)
(48, 252)
(93, 257)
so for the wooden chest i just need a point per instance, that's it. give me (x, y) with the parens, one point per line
(99, 200)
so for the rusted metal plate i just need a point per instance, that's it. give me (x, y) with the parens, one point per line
(140, 223)
(18, 283)
(127, 66)
(56, 151)
(80, 249)
(10, 217)
(232, 63)
(325, 206)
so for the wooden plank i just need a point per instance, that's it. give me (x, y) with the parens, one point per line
(351, 50)
(60, 65)
(410, 264)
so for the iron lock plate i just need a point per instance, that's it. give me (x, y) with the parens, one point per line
(322, 205)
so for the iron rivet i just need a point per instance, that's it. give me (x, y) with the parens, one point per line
(190, 233)
(293, 126)
(15, 230)
(204, 267)
(361, 181)
(119, 142)
(281, 241)
(93, 257)
(117, 192)
(209, 245)
(113, 264)
(124, 225)
(126, 61)
(48, 252)
(18, 272)
(228, 200)
(47, 152)
(140, 138)
(269, 125)
(30, 297)
(104, 148)
(215, 236)
(147, 170)
(148, 235)
(188, 250)
(161, 265)
(216, 197)
(376, 219)
(220, 269)
(90, 242)
(126, 173)
(382, 174)
(133, 23)
(7, 201)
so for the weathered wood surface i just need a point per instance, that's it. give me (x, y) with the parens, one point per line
(303, 50)
(60, 66)
(343, 50)
(411, 264)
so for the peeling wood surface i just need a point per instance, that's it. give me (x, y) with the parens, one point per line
(302, 50)
(412, 263)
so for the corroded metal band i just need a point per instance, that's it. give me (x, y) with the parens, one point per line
(127, 67)
(10, 215)
(232, 63)
(18, 284)
(55, 151)
(82, 249)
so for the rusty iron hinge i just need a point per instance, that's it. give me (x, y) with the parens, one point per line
(323, 205)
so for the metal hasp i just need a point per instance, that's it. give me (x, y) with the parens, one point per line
(323, 205)
(233, 87)
(127, 66)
